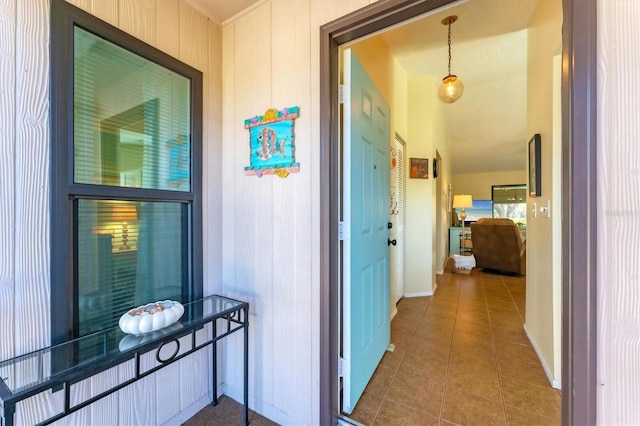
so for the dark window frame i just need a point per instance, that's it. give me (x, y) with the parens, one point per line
(64, 192)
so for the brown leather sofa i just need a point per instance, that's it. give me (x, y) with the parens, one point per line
(498, 245)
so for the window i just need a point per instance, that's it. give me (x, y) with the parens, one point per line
(126, 175)
(510, 201)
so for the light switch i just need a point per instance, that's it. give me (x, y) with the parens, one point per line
(545, 209)
(534, 209)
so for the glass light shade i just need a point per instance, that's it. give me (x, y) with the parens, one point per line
(450, 89)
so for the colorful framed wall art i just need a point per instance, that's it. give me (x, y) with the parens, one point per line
(272, 143)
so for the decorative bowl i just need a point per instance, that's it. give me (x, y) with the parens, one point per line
(151, 317)
(132, 340)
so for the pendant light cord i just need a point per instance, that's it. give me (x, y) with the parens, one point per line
(449, 42)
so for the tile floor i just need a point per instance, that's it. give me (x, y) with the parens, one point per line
(461, 358)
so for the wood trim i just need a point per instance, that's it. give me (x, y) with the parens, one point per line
(579, 212)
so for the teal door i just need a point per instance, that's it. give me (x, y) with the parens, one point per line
(366, 140)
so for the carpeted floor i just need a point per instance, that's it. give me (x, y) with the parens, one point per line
(227, 412)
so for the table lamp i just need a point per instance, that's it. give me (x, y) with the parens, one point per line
(125, 213)
(461, 202)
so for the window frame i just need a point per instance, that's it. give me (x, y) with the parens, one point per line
(507, 187)
(64, 192)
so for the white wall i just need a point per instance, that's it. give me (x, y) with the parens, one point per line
(271, 225)
(24, 203)
(618, 213)
(544, 43)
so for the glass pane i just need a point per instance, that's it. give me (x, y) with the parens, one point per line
(131, 119)
(129, 254)
(510, 201)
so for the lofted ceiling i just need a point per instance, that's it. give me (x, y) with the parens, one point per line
(487, 126)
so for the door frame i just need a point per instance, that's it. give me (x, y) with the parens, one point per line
(579, 162)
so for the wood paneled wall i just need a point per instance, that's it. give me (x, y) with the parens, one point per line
(271, 225)
(175, 392)
(618, 213)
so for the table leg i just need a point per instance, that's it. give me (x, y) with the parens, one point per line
(214, 366)
(246, 369)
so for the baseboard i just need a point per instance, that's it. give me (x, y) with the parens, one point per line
(554, 383)
(189, 412)
(420, 294)
(261, 407)
(394, 312)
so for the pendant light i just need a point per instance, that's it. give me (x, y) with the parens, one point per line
(451, 87)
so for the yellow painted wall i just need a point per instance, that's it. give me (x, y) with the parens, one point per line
(478, 185)
(544, 42)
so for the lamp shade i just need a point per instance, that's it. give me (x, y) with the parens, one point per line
(124, 213)
(462, 201)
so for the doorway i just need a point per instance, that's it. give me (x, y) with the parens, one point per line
(579, 166)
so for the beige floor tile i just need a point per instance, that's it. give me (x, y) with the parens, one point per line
(481, 318)
(475, 328)
(466, 409)
(522, 370)
(381, 381)
(427, 368)
(392, 360)
(394, 414)
(513, 351)
(413, 304)
(463, 357)
(511, 335)
(518, 417)
(469, 336)
(367, 408)
(475, 342)
(540, 400)
(434, 332)
(431, 348)
(414, 391)
(482, 383)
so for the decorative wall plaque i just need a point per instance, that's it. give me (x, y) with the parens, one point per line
(272, 143)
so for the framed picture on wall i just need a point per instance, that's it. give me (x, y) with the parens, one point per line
(534, 166)
(419, 168)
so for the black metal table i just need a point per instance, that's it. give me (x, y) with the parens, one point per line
(58, 367)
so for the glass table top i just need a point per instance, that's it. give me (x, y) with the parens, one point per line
(29, 370)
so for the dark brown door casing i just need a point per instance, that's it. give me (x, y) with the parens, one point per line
(579, 197)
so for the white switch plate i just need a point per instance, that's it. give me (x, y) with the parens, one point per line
(545, 209)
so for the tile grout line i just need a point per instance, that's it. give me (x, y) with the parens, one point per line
(446, 376)
(495, 354)
(395, 373)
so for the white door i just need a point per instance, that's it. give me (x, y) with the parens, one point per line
(396, 219)
(366, 137)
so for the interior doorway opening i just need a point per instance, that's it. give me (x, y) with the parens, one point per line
(579, 83)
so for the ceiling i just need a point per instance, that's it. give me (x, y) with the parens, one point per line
(221, 10)
(487, 125)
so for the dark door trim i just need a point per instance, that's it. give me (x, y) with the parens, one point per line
(579, 213)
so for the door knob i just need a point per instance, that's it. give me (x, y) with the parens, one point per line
(391, 242)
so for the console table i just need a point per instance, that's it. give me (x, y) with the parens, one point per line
(58, 367)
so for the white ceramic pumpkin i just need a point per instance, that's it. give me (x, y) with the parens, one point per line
(151, 317)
